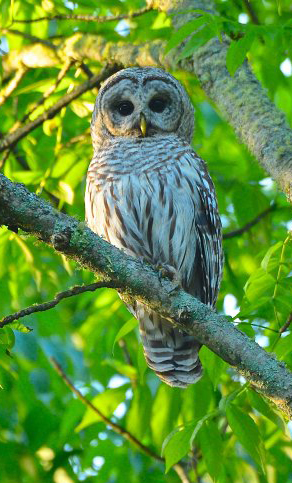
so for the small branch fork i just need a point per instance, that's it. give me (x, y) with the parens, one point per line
(87, 18)
(78, 289)
(116, 427)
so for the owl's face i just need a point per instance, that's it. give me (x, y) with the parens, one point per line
(142, 102)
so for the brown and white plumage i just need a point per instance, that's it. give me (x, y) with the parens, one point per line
(151, 195)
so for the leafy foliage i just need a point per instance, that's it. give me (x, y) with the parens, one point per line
(227, 431)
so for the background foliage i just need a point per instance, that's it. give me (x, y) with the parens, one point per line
(223, 429)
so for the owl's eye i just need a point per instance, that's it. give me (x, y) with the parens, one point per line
(157, 104)
(125, 108)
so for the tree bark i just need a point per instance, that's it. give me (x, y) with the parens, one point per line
(20, 208)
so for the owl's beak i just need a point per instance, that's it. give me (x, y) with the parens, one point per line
(143, 124)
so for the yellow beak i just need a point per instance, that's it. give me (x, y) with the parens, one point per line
(143, 124)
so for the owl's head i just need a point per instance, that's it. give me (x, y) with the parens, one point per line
(142, 102)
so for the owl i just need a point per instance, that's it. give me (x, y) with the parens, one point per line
(149, 194)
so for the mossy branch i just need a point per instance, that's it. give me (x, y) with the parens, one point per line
(20, 208)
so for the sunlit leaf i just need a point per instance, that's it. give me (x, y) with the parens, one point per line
(247, 433)
(106, 402)
(177, 446)
(212, 448)
(237, 52)
(125, 329)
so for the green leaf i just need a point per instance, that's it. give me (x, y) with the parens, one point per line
(106, 402)
(200, 423)
(184, 32)
(7, 337)
(162, 421)
(16, 325)
(138, 416)
(81, 108)
(198, 39)
(28, 177)
(125, 329)
(259, 284)
(72, 415)
(237, 51)
(266, 260)
(261, 405)
(176, 445)
(247, 433)
(141, 363)
(122, 368)
(213, 364)
(212, 448)
(284, 346)
(39, 424)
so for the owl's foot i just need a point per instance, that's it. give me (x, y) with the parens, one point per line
(165, 270)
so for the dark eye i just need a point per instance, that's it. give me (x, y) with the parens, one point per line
(157, 104)
(125, 108)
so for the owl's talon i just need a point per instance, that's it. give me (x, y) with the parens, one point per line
(167, 271)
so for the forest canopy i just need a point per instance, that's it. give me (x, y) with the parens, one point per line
(77, 401)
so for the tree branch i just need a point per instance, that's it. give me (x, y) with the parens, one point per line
(88, 18)
(21, 208)
(78, 289)
(62, 73)
(36, 104)
(251, 12)
(20, 133)
(250, 224)
(116, 427)
(13, 84)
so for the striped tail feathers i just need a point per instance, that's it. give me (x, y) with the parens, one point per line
(171, 353)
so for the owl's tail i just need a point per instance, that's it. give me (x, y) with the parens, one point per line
(171, 353)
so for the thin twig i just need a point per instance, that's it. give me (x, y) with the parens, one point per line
(45, 96)
(256, 325)
(287, 324)
(282, 330)
(30, 37)
(250, 224)
(77, 139)
(253, 16)
(116, 427)
(126, 352)
(4, 158)
(78, 289)
(51, 89)
(20, 133)
(280, 268)
(88, 72)
(13, 84)
(88, 18)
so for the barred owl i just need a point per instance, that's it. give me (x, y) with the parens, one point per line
(149, 194)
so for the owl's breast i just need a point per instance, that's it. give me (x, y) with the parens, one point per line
(147, 206)
(122, 156)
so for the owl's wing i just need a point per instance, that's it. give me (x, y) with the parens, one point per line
(204, 279)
